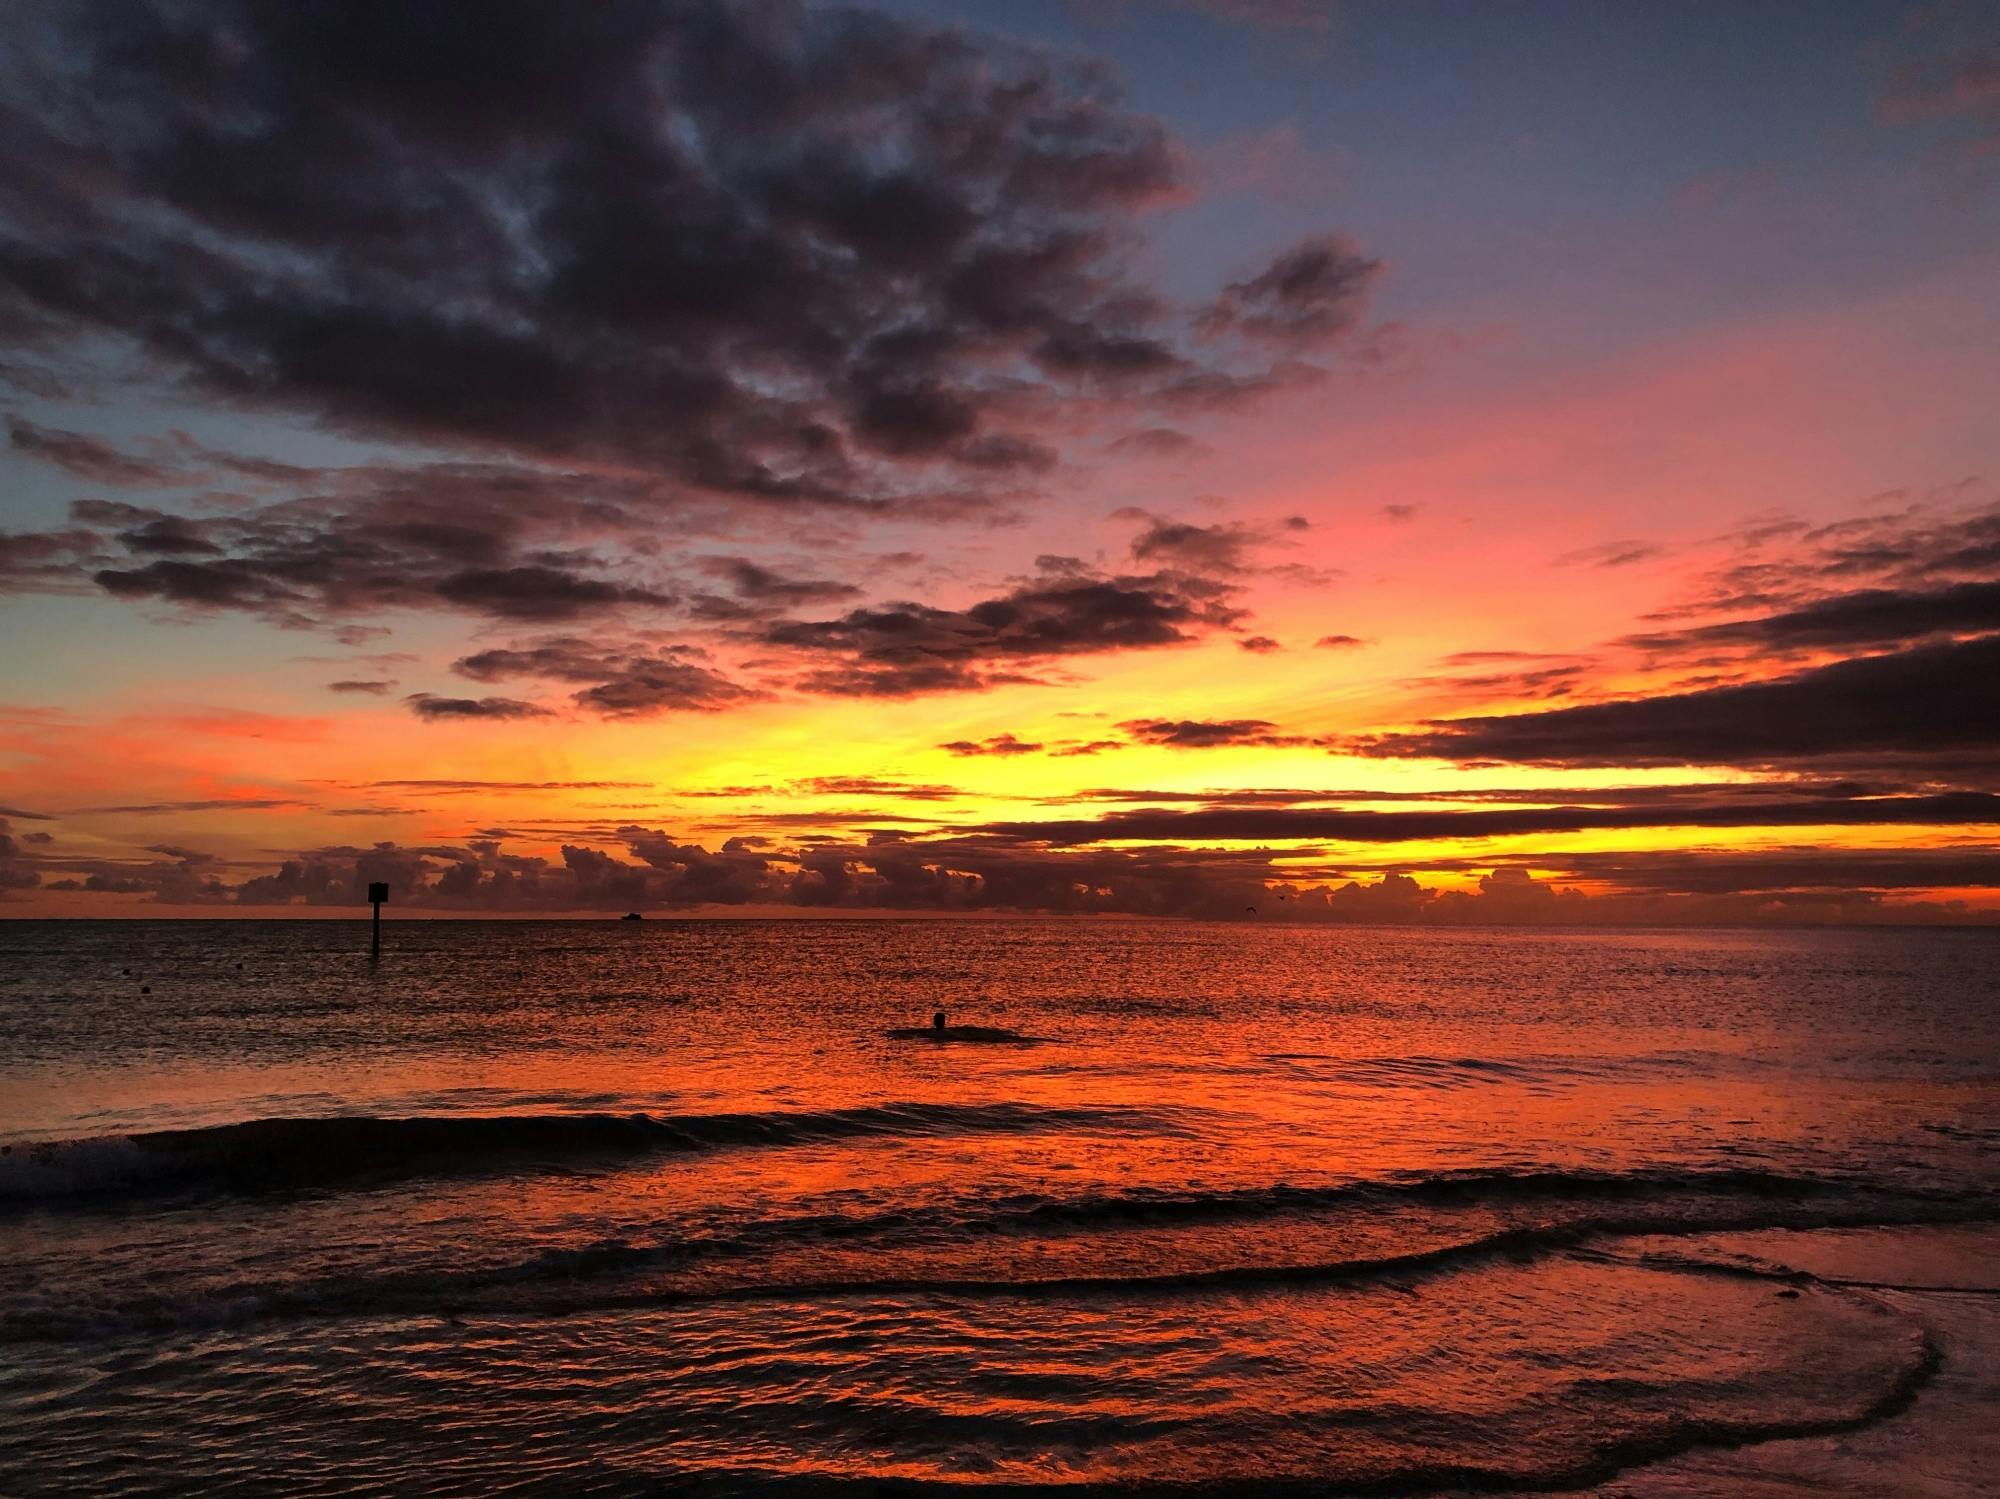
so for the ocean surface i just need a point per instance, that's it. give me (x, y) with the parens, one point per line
(661, 1207)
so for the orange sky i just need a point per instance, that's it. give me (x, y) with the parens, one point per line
(1252, 497)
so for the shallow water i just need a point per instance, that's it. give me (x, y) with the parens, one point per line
(616, 1206)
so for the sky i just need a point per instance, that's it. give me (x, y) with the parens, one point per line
(1266, 459)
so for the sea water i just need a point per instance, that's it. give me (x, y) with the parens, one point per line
(636, 1207)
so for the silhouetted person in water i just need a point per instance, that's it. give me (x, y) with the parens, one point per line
(937, 1021)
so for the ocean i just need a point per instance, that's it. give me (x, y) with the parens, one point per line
(662, 1207)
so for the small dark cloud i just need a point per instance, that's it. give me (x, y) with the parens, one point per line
(355, 685)
(1156, 442)
(995, 744)
(1400, 514)
(1258, 645)
(760, 585)
(1339, 642)
(236, 804)
(1310, 294)
(1611, 554)
(87, 457)
(451, 786)
(628, 682)
(1189, 733)
(430, 706)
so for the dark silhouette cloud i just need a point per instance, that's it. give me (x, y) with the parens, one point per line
(1875, 616)
(760, 585)
(620, 682)
(1241, 823)
(1339, 642)
(538, 592)
(1720, 871)
(1929, 700)
(449, 787)
(226, 804)
(1310, 294)
(356, 685)
(17, 870)
(903, 649)
(1661, 799)
(995, 744)
(87, 457)
(1189, 733)
(1086, 747)
(1611, 554)
(1156, 442)
(1258, 645)
(430, 706)
(1782, 564)
(641, 867)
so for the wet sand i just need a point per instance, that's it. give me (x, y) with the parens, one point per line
(1944, 1443)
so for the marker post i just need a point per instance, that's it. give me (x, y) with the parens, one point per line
(377, 893)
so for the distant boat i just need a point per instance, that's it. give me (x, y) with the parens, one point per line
(631, 916)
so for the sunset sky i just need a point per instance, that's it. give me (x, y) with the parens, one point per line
(1389, 461)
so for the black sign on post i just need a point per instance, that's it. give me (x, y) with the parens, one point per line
(378, 891)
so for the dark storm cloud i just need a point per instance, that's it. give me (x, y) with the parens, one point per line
(995, 744)
(1248, 824)
(638, 267)
(429, 706)
(1875, 616)
(630, 682)
(902, 649)
(1933, 700)
(831, 244)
